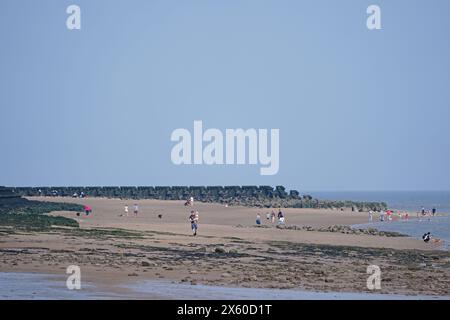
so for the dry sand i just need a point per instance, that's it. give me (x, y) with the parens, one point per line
(112, 249)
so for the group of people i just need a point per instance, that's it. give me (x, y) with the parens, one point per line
(135, 210)
(426, 237)
(271, 216)
(389, 215)
(428, 213)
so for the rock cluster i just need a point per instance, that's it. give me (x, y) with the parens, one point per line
(344, 229)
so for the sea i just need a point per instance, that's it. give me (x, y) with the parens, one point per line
(411, 201)
(400, 200)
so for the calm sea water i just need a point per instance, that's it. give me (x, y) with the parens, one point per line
(439, 226)
(402, 200)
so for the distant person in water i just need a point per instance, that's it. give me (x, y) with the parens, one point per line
(389, 215)
(194, 223)
(135, 209)
(258, 219)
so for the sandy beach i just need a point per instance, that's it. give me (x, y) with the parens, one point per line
(112, 250)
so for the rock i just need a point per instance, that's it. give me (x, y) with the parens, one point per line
(134, 274)
(233, 251)
(219, 250)
(146, 263)
(226, 275)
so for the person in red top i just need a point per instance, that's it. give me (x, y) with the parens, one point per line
(87, 210)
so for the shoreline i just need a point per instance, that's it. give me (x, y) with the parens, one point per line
(51, 286)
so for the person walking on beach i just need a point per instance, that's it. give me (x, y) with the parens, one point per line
(272, 214)
(193, 220)
(258, 219)
(126, 210)
(136, 209)
(268, 215)
(433, 211)
(370, 215)
(280, 217)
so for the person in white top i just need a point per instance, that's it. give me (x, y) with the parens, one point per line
(126, 210)
(196, 217)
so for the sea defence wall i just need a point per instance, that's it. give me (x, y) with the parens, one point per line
(9, 198)
(255, 196)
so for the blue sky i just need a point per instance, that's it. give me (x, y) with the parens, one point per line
(357, 109)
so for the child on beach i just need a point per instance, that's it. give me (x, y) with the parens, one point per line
(370, 215)
(87, 210)
(126, 210)
(258, 219)
(382, 215)
(136, 209)
(273, 216)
